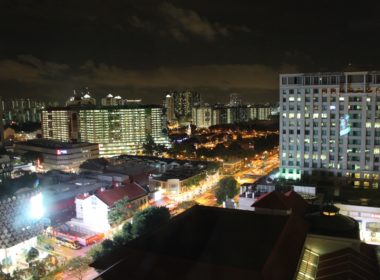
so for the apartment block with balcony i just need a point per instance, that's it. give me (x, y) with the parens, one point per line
(330, 127)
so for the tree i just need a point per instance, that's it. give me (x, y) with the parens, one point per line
(76, 267)
(122, 210)
(99, 251)
(149, 219)
(227, 188)
(95, 252)
(3, 275)
(149, 146)
(38, 270)
(32, 254)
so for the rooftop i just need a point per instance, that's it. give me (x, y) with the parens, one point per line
(212, 243)
(131, 191)
(53, 144)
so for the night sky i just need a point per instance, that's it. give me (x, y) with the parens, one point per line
(145, 48)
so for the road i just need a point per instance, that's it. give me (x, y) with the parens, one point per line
(208, 198)
(257, 167)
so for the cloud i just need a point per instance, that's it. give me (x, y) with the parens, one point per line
(180, 24)
(31, 72)
(222, 77)
(29, 69)
(191, 22)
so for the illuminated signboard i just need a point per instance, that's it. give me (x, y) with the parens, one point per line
(345, 127)
(61, 152)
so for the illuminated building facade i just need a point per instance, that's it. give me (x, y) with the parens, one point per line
(184, 101)
(22, 110)
(58, 155)
(259, 112)
(330, 126)
(117, 129)
(202, 116)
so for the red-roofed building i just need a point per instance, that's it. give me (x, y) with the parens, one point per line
(273, 203)
(296, 202)
(93, 209)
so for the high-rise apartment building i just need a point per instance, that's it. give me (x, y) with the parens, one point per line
(259, 112)
(21, 110)
(330, 127)
(183, 103)
(202, 116)
(111, 100)
(169, 106)
(117, 129)
(235, 99)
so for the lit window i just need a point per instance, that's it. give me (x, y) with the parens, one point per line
(341, 98)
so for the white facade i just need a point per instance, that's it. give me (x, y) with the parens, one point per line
(368, 218)
(330, 122)
(93, 212)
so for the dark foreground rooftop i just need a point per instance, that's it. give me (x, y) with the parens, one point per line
(212, 243)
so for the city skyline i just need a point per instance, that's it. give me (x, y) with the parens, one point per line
(142, 49)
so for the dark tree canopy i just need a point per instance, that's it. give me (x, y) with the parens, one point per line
(227, 188)
(149, 219)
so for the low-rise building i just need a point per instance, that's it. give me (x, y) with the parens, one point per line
(93, 209)
(368, 218)
(66, 156)
(177, 180)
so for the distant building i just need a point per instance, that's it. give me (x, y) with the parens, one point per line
(21, 110)
(169, 106)
(110, 100)
(183, 103)
(63, 156)
(117, 129)
(132, 101)
(235, 100)
(259, 112)
(81, 98)
(202, 116)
